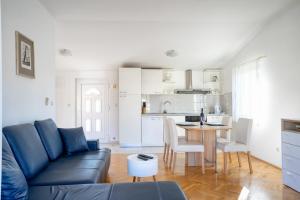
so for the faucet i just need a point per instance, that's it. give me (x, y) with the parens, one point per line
(164, 104)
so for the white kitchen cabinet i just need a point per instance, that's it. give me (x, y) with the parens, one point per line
(212, 80)
(152, 81)
(197, 76)
(129, 120)
(173, 79)
(130, 81)
(152, 131)
(179, 77)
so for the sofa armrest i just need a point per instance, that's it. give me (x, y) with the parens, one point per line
(93, 145)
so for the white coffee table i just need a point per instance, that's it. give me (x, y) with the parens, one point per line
(139, 168)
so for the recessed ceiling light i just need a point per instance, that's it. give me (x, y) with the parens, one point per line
(65, 52)
(171, 53)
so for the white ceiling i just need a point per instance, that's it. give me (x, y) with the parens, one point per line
(106, 34)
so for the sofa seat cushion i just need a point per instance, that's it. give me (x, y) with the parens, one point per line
(121, 191)
(74, 140)
(70, 192)
(50, 137)
(103, 155)
(147, 191)
(91, 155)
(66, 177)
(66, 164)
(27, 147)
(14, 185)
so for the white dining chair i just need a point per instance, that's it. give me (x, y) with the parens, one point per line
(166, 140)
(242, 133)
(225, 135)
(167, 146)
(182, 147)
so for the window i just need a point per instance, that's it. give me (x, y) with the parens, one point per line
(92, 91)
(88, 125)
(246, 90)
(88, 105)
(98, 106)
(98, 125)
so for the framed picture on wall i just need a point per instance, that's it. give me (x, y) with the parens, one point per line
(25, 56)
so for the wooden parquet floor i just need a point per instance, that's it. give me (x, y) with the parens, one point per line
(264, 184)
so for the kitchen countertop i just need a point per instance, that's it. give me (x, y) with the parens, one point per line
(179, 114)
(171, 114)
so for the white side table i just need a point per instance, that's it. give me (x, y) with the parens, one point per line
(139, 168)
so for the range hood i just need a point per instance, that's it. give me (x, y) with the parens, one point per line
(189, 86)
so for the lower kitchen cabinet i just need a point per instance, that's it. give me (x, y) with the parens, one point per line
(152, 131)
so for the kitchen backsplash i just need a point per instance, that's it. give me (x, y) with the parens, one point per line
(226, 103)
(187, 103)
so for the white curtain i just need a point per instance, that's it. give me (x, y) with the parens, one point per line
(246, 90)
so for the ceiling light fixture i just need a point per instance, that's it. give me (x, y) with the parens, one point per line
(171, 53)
(65, 52)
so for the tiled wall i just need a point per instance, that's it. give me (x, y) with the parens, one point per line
(184, 103)
(226, 103)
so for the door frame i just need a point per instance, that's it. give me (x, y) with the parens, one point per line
(78, 103)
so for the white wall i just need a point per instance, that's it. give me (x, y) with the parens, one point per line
(23, 98)
(66, 97)
(280, 43)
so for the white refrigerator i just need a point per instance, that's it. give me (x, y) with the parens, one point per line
(130, 107)
(130, 120)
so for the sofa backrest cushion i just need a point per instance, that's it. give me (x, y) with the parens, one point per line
(50, 137)
(14, 185)
(74, 140)
(27, 148)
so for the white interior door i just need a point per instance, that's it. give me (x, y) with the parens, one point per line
(94, 111)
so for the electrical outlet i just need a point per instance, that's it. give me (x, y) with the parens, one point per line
(277, 149)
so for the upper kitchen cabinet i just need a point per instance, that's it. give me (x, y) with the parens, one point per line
(197, 77)
(152, 81)
(173, 79)
(212, 80)
(130, 80)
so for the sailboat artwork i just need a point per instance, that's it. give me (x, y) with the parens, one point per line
(25, 56)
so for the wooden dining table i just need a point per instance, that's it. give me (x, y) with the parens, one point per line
(207, 135)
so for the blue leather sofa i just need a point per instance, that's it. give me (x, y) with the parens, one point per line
(34, 167)
(39, 151)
